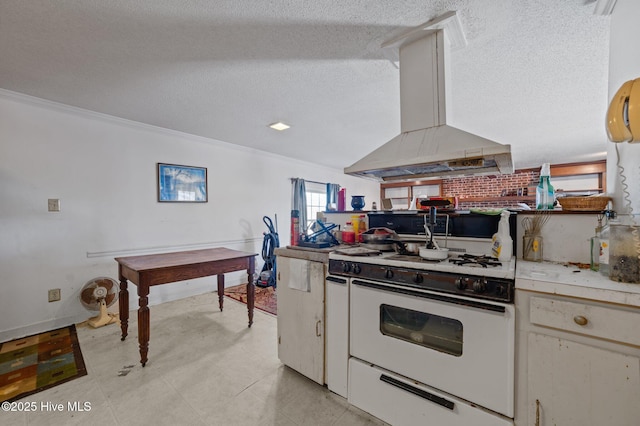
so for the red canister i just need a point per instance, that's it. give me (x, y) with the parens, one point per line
(342, 196)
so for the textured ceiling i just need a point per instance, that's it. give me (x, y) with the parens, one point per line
(533, 74)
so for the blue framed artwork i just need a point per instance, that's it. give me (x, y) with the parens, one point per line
(182, 184)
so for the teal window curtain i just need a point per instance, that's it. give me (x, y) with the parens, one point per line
(332, 196)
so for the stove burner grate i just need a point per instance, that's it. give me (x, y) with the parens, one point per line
(473, 260)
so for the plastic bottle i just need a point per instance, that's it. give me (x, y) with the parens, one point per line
(604, 250)
(355, 222)
(595, 249)
(545, 195)
(362, 226)
(502, 243)
(348, 235)
(605, 260)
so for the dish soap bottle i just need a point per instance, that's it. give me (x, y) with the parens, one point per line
(502, 243)
(545, 195)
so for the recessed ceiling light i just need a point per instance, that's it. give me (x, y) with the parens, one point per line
(279, 126)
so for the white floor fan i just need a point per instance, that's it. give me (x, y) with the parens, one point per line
(97, 295)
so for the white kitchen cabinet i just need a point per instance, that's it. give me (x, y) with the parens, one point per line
(578, 361)
(301, 316)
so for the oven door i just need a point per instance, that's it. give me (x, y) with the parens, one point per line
(459, 345)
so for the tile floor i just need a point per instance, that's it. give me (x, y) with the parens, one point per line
(205, 367)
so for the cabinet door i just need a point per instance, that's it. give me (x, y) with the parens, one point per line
(301, 316)
(337, 335)
(576, 384)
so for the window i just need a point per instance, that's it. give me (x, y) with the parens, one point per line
(316, 200)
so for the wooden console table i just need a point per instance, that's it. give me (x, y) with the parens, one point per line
(155, 269)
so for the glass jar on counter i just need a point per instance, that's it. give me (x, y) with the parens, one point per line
(348, 234)
(532, 247)
(624, 253)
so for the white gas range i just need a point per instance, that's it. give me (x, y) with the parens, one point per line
(461, 275)
(431, 342)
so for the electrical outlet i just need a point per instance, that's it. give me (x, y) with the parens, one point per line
(54, 295)
(54, 204)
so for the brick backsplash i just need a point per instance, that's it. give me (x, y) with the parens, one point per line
(517, 183)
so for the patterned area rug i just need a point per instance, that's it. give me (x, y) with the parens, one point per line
(266, 298)
(31, 364)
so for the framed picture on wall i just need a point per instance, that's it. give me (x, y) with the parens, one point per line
(182, 184)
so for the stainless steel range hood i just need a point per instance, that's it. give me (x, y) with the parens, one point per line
(428, 146)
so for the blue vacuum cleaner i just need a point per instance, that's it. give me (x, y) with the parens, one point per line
(271, 241)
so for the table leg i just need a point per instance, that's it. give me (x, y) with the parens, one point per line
(143, 322)
(220, 290)
(123, 299)
(251, 290)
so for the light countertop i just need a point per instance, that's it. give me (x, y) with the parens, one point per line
(545, 277)
(307, 253)
(569, 280)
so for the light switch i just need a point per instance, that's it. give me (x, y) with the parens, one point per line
(54, 205)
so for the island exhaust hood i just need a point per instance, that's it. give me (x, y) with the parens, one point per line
(428, 146)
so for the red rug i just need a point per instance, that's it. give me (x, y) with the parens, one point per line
(265, 300)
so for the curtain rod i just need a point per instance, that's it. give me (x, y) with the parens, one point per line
(312, 181)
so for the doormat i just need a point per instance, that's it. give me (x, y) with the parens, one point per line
(35, 363)
(266, 299)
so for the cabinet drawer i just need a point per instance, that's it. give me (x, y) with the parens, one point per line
(400, 401)
(607, 322)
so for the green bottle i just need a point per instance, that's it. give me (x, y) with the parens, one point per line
(545, 195)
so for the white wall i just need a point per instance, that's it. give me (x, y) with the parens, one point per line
(624, 65)
(565, 237)
(103, 170)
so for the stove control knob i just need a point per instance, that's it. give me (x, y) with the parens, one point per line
(500, 290)
(388, 274)
(418, 279)
(461, 284)
(357, 268)
(346, 267)
(479, 286)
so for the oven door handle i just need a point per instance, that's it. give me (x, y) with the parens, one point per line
(418, 392)
(439, 297)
